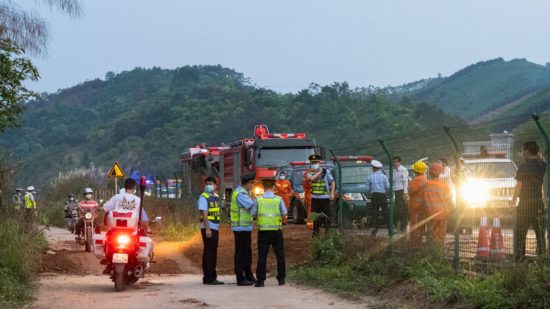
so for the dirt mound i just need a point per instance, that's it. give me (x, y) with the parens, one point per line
(297, 248)
(165, 266)
(60, 262)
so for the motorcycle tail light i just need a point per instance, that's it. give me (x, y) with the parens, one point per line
(123, 240)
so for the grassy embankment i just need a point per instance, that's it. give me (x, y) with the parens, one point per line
(340, 267)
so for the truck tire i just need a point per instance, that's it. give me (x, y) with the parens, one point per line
(297, 213)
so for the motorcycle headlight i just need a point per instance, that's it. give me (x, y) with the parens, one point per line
(123, 240)
(353, 197)
(88, 216)
(475, 193)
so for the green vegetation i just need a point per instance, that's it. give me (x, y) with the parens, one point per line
(19, 258)
(479, 88)
(179, 218)
(145, 118)
(339, 266)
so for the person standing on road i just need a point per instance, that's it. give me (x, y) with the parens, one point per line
(283, 188)
(270, 211)
(400, 189)
(209, 208)
(30, 205)
(241, 224)
(378, 186)
(439, 202)
(322, 191)
(530, 210)
(416, 203)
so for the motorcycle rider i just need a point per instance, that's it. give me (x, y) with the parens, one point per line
(87, 204)
(123, 203)
(70, 205)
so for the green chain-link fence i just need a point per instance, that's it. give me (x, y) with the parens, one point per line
(483, 225)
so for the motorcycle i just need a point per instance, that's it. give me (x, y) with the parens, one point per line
(86, 236)
(128, 252)
(71, 221)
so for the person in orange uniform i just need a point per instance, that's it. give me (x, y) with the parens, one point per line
(438, 203)
(283, 188)
(416, 203)
(307, 191)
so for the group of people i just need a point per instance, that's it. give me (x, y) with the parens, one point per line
(424, 200)
(24, 203)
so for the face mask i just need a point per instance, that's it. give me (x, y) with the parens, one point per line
(282, 177)
(315, 166)
(88, 196)
(209, 188)
(71, 199)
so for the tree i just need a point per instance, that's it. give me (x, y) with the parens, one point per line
(14, 70)
(28, 30)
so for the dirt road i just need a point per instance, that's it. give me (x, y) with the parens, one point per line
(72, 279)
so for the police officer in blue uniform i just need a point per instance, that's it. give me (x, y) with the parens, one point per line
(209, 208)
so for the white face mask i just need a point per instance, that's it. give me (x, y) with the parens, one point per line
(315, 166)
(88, 196)
(209, 188)
(282, 177)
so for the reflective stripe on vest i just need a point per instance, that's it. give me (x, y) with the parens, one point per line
(28, 202)
(318, 186)
(239, 215)
(269, 214)
(213, 202)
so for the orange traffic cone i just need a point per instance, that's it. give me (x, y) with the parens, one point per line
(483, 240)
(497, 243)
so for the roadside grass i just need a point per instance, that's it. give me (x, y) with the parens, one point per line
(340, 267)
(20, 256)
(179, 218)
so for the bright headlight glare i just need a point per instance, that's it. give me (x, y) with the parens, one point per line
(258, 190)
(123, 240)
(88, 216)
(476, 193)
(353, 197)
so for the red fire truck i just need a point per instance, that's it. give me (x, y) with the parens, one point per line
(262, 154)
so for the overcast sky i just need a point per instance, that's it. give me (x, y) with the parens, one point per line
(287, 44)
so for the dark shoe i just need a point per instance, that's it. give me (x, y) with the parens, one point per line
(244, 283)
(107, 270)
(251, 279)
(214, 282)
(282, 282)
(103, 261)
(259, 284)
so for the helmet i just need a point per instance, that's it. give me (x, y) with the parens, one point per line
(18, 190)
(419, 167)
(30, 188)
(88, 190)
(71, 194)
(436, 168)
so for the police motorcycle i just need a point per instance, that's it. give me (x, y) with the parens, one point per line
(125, 248)
(71, 213)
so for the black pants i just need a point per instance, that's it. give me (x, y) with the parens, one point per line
(243, 256)
(321, 205)
(530, 213)
(275, 239)
(401, 212)
(379, 207)
(209, 256)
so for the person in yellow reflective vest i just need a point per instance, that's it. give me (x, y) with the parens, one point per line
(241, 224)
(209, 208)
(30, 204)
(323, 189)
(270, 211)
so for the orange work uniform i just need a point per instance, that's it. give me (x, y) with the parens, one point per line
(283, 189)
(416, 208)
(438, 204)
(307, 191)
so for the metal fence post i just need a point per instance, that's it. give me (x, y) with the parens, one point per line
(547, 141)
(340, 193)
(459, 205)
(392, 201)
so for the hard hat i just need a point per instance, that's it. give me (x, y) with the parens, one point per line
(88, 190)
(30, 188)
(436, 168)
(419, 167)
(376, 163)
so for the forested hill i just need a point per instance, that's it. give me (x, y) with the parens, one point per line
(482, 87)
(145, 118)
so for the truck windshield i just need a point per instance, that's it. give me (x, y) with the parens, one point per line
(355, 174)
(275, 157)
(491, 170)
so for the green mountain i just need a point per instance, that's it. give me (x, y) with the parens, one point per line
(481, 88)
(145, 118)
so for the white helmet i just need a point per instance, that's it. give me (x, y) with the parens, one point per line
(88, 190)
(30, 188)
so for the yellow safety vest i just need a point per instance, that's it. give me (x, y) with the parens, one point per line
(269, 214)
(29, 204)
(213, 202)
(318, 186)
(239, 215)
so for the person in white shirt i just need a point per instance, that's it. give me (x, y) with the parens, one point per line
(400, 190)
(124, 203)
